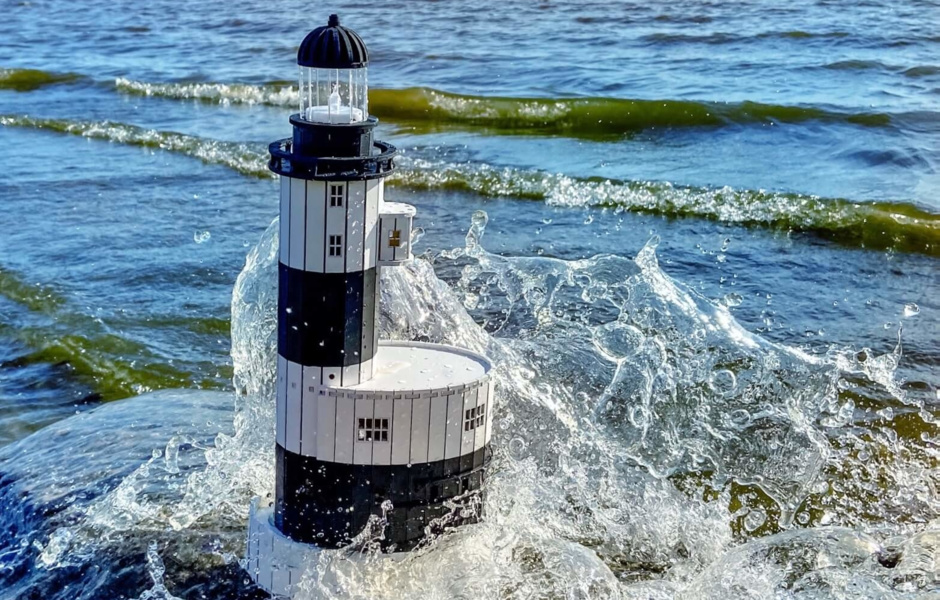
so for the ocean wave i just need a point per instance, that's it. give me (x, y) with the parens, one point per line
(575, 117)
(114, 366)
(277, 93)
(922, 71)
(913, 72)
(858, 65)
(244, 158)
(720, 37)
(27, 80)
(877, 225)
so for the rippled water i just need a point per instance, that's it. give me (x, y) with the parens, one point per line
(709, 278)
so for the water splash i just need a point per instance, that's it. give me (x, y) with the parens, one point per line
(647, 446)
(157, 570)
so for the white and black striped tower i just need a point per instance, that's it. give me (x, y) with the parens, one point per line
(361, 424)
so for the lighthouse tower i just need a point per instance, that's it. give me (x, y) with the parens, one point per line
(364, 429)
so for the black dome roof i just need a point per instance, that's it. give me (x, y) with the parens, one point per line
(333, 47)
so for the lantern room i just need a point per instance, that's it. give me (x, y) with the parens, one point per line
(334, 81)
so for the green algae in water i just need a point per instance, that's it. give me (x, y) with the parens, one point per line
(427, 110)
(113, 366)
(27, 80)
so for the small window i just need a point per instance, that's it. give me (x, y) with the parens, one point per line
(474, 417)
(337, 193)
(336, 245)
(373, 430)
(394, 238)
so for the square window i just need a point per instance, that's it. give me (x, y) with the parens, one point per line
(474, 417)
(337, 194)
(394, 238)
(336, 245)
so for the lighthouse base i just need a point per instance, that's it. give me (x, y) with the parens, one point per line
(275, 562)
(285, 568)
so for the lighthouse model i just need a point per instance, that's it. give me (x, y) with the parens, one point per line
(394, 433)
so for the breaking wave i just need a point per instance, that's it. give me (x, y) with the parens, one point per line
(244, 158)
(574, 117)
(877, 225)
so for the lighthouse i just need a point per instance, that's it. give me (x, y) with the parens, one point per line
(367, 432)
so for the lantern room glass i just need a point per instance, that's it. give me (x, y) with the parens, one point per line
(334, 95)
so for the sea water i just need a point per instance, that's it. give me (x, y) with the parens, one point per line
(699, 239)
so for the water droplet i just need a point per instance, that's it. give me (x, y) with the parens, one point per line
(754, 520)
(517, 447)
(723, 382)
(732, 299)
(740, 417)
(910, 310)
(200, 237)
(639, 416)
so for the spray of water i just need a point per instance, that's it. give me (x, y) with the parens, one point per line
(646, 446)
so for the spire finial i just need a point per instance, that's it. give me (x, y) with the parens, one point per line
(334, 21)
